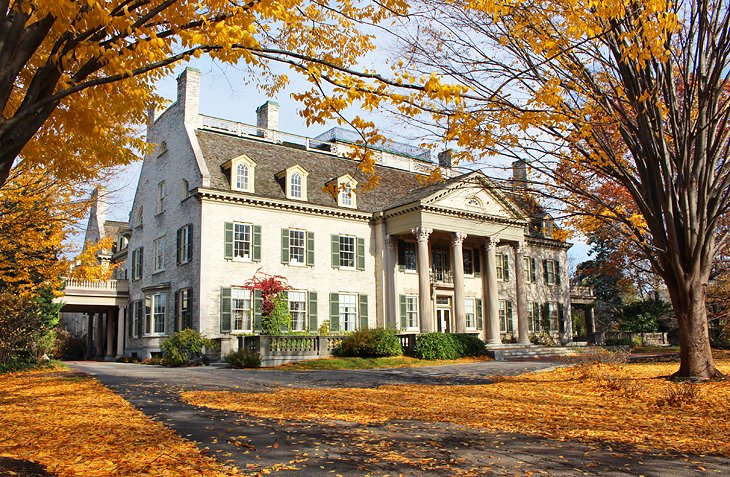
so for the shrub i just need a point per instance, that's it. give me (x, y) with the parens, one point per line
(436, 346)
(185, 348)
(469, 345)
(243, 358)
(543, 338)
(680, 394)
(68, 346)
(371, 343)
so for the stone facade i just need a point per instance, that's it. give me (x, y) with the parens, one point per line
(217, 201)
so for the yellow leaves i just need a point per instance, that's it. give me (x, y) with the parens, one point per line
(75, 426)
(566, 403)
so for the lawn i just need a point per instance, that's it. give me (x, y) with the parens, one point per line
(631, 404)
(372, 363)
(74, 426)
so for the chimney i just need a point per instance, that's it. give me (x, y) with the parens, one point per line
(519, 175)
(445, 159)
(188, 93)
(267, 117)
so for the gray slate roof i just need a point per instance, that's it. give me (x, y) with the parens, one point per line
(396, 185)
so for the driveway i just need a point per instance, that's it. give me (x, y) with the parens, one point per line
(409, 448)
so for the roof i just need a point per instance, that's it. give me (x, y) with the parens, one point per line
(272, 158)
(114, 228)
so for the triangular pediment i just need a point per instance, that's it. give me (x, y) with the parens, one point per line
(475, 194)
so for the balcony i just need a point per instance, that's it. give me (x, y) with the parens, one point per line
(80, 294)
(582, 295)
(441, 278)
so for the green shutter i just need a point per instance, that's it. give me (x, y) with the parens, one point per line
(360, 253)
(403, 313)
(536, 315)
(225, 310)
(175, 309)
(561, 318)
(477, 263)
(284, 245)
(189, 310)
(228, 249)
(310, 249)
(363, 311)
(480, 314)
(258, 306)
(545, 271)
(336, 252)
(256, 243)
(505, 267)
(545, 315)
(312, 311)
(510, 324)
(140, 317)
(533, 270)
(557, 272)
(401, 256)
(179, 246)
(189, 249)
(334, 312)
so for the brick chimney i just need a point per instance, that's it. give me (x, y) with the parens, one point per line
(188, 94)
(445, 158)
(267, 117)
(519, 175)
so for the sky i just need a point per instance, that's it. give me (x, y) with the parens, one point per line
(225, 93)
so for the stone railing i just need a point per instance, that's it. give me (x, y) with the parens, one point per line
(111, 285)
(646, 339)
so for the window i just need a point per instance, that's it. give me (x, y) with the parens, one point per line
(346, 196)
(183, 312)
(347, 251)
(505, 316)
(184, 189)
(298, 310)
(468, 261)
(296, 186)
(134, 323)
(407, 256)
(241, 309)
(348, 312)
(159, 304)
(471, 317)
(160, 198)
(297, 246)
(412, 312)
(137, 255)
(530, 269)
(184, 244)
(533, 317)
(242, 177)
(550, 272)
(502, 267)
(553, 315)
(242, 241)
(159, 258)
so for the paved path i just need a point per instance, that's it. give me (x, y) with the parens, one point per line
(409, 448)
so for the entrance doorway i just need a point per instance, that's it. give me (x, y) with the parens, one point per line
(443, 314)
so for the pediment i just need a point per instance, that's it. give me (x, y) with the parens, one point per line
(475, 194)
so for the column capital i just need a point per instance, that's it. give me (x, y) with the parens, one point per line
(520, 248)
(491, 242)
(421, 233)
(457, 238)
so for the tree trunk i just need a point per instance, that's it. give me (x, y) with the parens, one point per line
(688, 300)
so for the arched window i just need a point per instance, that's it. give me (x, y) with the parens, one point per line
(242, 177)
(296, 185)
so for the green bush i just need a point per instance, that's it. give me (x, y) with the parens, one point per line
(185, 348)
(371, 343)
(243, 358)
(469, 345)
(436, 346)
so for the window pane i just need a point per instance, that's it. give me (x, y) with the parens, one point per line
(347, 252)
(242, 241)
(241, 309)
(296, 246)
(468, 262)
(470, 313)
(412, 312)
(242, 177)
(410, 255)
(298, 310)
(159, 303)
(348, 312)
(296, 185)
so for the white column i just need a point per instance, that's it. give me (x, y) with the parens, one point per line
(120, 330)
(457, 258)
(391, 262)
(491, 293)
(109, 335)
(522, 325)
(424, 282)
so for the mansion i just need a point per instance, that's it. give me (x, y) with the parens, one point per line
(218, 201)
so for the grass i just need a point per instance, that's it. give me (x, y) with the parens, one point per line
(630, 404)
(18, 366)
(371, 363)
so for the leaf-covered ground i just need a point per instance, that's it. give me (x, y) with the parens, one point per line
(628, 404)
(74, 426)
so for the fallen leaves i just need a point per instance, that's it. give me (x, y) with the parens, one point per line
(73, 425)
(568, 403)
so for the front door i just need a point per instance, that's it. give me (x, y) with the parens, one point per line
(443, 314)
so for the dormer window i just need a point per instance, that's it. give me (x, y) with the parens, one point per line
(294, 181)
(242, 177)
(241, 170)
(344, 188)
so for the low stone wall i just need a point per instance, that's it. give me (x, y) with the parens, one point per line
(646, 339)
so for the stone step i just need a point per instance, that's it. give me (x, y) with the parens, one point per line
(532, 352)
